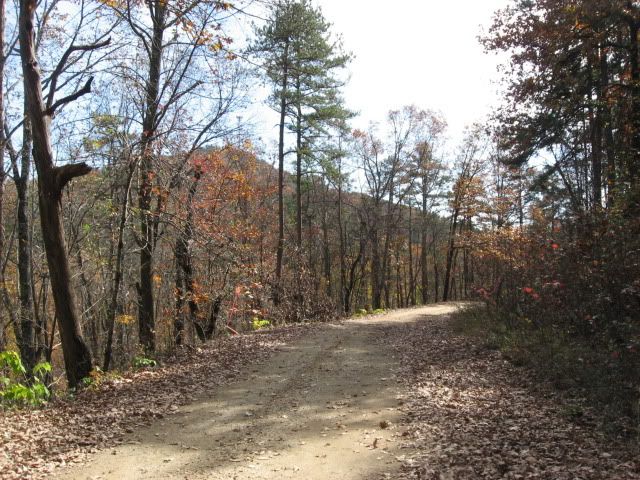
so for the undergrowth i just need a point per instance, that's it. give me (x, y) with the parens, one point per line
(583, 368)
(20, 388)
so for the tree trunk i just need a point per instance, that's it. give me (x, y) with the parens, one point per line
(180, 294)
(3, 172)
(326, 255)
(344, 300)
(424, 273)
(607, 130)
(360, 259)
(117, 272)
(28, 346)
(298, 166)
(412, 280)
(376, 273)
(450, 254)
(283, 113)
(184, 263)
(3, 175)
(92, 319)
(436, 275)
(146, 313)
(595, 135)
(634, 67)
(385, 286)
(398, 280)
(51, 182)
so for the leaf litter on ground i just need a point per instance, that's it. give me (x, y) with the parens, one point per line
(33, 443)
(470, 414)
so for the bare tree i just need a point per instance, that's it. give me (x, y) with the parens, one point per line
(51, 182)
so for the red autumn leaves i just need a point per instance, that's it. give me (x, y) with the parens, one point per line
(531, 292)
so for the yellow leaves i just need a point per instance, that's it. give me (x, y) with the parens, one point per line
(198, 294)
(125, 319)
(206, 37)
(157, 279)
(111, 3)
(507, 245)
(216, 46)
(9, 286)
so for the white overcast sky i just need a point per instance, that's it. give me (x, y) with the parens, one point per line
(422, 52)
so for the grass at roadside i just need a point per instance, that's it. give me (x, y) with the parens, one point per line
(584, 370)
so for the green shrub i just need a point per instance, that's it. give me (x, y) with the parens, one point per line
(17, 389)
(143, 362)
(360, 313)
(257, 324)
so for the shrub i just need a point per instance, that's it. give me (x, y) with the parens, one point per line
(17, 388)
(143, 362)
(257, 324)
(578, 365)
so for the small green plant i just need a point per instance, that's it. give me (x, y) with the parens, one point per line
(257, 324)
(378, 311)
(96, 377)
(87, 382)
(143, 362)
(573, 411)
(360, 313)
(15, 389)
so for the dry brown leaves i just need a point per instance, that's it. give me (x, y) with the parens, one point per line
(34, 443)
(471, 414)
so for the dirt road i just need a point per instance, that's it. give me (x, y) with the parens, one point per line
(323, 407)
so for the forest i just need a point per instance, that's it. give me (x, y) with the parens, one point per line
(143, 214)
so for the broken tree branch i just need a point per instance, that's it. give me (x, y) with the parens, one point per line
(65, 173)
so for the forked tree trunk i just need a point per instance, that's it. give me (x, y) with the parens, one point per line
(51, 182)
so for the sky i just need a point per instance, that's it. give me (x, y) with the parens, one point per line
(422, 52)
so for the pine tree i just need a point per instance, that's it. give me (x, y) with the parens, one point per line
(303, 63)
